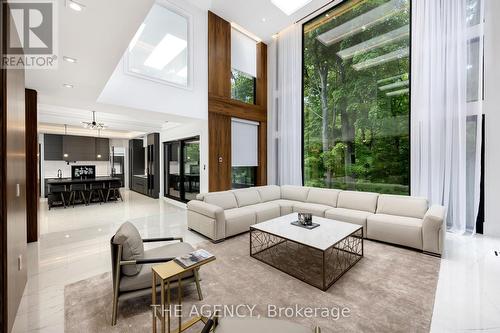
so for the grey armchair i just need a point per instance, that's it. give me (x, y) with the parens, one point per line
(131, 265)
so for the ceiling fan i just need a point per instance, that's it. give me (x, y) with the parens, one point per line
(94, 124)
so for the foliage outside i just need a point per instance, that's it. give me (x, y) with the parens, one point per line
(356, 122)
(242, 87)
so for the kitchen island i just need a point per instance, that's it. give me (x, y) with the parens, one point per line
(54, 187)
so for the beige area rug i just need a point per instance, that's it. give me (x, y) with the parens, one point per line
(390, 290)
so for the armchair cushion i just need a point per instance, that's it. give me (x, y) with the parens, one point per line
(132, 247)
(143, 279)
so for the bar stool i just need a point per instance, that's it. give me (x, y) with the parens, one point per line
(96, 188)
(77, 189)
(56, 195)
(114, 187)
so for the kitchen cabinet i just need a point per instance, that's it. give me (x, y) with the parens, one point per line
(75, 148)
(102, 149)
(144, 165)
(78, 148)
(53, 146)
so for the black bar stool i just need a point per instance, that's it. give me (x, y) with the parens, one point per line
(56, 195)
(77, 190)
(114, 187)
(96, 189)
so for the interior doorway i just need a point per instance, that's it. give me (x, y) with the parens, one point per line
(182, 169)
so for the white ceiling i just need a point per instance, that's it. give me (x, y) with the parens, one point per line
(99, 36)
(260, 17)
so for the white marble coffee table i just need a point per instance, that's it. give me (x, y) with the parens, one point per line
(318, 256)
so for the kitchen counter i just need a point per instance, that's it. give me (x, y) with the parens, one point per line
(69, 181)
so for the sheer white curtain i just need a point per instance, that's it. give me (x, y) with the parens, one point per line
(439, 106)
(287, 106)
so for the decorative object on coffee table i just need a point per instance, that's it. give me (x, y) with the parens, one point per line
(305, 218)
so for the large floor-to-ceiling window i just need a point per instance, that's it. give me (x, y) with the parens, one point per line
(357, 97)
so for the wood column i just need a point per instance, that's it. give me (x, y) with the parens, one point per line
(32, 156)
(221, 108)
(13, 277)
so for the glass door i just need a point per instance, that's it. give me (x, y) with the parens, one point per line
(173, 170)
(191, 160)
(182, 169)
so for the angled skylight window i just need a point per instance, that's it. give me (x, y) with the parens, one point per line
(398, 54)
(160, 50)
(394, 85)
(376, 42)
(363, 22)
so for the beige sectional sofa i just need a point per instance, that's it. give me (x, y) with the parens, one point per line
(396, 219)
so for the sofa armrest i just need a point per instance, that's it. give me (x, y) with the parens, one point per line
(204, 208)
(209, 212)
(433, 229)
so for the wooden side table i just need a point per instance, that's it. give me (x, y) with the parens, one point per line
(165, 273)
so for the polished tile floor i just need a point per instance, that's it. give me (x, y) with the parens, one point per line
(74, 245)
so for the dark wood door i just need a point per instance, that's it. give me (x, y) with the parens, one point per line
(219, 176)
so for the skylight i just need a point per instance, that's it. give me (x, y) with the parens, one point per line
(290, 6)
(159, 50)
(363, 22)
(169, 48)
(398, 54)
(376, 42)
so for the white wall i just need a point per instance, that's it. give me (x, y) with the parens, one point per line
(492, 118)
(138, 93)
(102, 168)
(196, 128)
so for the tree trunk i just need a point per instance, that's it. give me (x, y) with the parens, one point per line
(325, 137)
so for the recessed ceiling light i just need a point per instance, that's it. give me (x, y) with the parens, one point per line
(69, 59)
(67, 85)
(78, 7)
(290, 6)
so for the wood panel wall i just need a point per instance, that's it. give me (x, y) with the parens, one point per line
(221, 108)
(3, 187)
(32, 181)
(13, 186)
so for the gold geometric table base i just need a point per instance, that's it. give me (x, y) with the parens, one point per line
(316, 267)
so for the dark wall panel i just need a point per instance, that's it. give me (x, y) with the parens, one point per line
(32, 181)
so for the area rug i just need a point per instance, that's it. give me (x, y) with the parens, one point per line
(390, 289)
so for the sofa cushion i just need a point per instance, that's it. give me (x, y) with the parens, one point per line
(225, 199)
(266, 211)
(406, 231)
(296, 193)
(366, 201)
(315, 209)
(239, 220)
(269, 192)
(401, 205)
(323, 196)
(247, 197)
(286, 206)
(143, 279)
(349, 215)
(132, 247)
